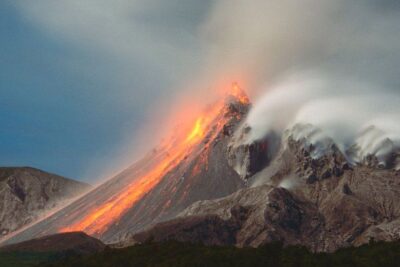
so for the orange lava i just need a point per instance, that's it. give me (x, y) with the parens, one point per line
(197, 131)
(100, 218)
(239, 94)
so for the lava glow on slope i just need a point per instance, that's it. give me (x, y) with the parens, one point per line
(208, 124)
(239, 94)
(197, 131)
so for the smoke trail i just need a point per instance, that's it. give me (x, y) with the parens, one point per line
(350, 113)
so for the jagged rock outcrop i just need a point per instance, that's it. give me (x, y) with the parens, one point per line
(249, 217)
(374, 148)
(27, 193)
(248, 158)
(322, 202)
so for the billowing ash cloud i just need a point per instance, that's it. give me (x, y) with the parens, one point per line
(331, 64)
(268, 39)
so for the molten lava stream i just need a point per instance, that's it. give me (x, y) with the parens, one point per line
(100, 218)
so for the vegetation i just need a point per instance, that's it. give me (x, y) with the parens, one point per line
(26, 259)
(176, 254)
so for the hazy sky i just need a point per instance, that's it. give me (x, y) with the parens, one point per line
(78, 78)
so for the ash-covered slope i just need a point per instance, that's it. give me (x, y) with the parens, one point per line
(27, 193)
(307, 193)
(188, 167)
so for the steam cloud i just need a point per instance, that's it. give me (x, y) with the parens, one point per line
(332, 64)
(349, 113)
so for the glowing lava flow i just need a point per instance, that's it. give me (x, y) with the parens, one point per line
(239, 94)
(197, 130)
(101, 217)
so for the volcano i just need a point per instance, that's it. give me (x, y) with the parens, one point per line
(210, 182)
(189, 166)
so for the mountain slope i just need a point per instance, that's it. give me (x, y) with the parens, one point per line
(27, 193)
(189, 166)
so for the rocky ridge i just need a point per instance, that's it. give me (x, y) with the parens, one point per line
(27, 193)
(308, 194)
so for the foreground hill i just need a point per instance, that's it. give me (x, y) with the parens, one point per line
(49, 248)
(73, 242)
(174, 254)
(27, 193)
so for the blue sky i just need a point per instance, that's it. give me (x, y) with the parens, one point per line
(53, 117)
(65, 107)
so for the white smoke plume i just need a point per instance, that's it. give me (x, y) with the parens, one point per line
(332, 64)
(352, 114)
